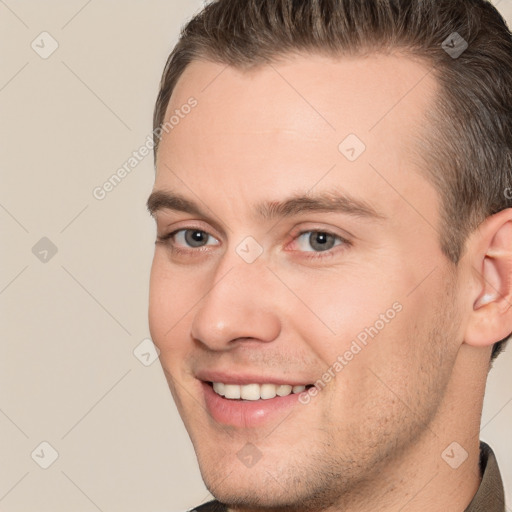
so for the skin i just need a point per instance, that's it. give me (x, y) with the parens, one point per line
(372, 439)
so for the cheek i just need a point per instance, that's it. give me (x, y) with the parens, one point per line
(170, 299)
(407, 353)
(364, 326)
(341, 307)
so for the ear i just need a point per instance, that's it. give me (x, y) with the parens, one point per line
(490, 255)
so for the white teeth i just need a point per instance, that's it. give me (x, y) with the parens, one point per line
(255, 391)
(283, 390)
(232, 391)
(219, 388)
(250, 392)
(267, 391)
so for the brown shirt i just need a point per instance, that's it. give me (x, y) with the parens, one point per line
(490, 496)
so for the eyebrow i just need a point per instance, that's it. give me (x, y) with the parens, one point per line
(326, 202)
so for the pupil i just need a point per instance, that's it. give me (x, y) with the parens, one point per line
(321, 241)
(195, 238)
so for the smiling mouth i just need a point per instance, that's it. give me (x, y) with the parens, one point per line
(253, 392)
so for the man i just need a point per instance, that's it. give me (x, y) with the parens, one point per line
(332, 272)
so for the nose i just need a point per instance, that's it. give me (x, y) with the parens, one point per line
(239, 305)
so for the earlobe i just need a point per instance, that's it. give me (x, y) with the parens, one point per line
(491, 315)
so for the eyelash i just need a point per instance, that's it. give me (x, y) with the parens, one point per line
(167, 240)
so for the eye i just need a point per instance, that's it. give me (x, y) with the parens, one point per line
(191, 238)
(317, 241)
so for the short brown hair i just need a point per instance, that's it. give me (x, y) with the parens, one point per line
(468, 150)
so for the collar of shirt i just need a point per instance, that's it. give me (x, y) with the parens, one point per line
(490, 496)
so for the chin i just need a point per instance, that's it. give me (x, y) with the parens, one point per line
(261, 487)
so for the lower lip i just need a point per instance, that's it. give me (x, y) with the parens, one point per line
(246, 413)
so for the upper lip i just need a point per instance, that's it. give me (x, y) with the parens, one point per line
(247, 378)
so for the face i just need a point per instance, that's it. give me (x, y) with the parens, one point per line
(289, 255)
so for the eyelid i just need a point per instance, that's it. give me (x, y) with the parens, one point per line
(309, 227)
(171, 228)
(167, 237)
(303, 232)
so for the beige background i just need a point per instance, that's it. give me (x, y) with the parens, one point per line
(69, 326)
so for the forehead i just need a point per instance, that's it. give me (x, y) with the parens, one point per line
(312, 94)
(287, 124)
